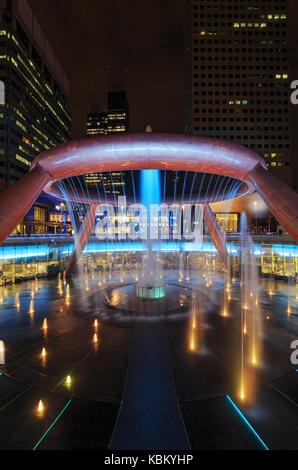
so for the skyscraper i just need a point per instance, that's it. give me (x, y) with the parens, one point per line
(118, 112)
(97, 124)
(97, 118)
(114, 120)
(34, 99)
(237, 85)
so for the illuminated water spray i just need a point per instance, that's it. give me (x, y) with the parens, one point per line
(60, 286)
(2, 352)
(17, 300)
(67, 296)
(227, 289)
(31, 307)
(193, 340)
(250, 315)
(181, 266)
(95, 338)
(32, 290)
(150, 285)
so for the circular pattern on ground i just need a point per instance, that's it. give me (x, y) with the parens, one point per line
(122, 299)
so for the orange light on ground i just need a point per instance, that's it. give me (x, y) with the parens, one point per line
(43, 352)
(289, 311)
(40, 407)
(95, 324)
(244, 330)
(68, 381)
(45, 324)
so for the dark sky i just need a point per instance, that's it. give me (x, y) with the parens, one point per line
(90, 36)
(147, 37)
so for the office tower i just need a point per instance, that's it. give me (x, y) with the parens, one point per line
(236, 71)
(118, 112)
(34, 96)
(97, 119)
(97, 124)
(113, 120)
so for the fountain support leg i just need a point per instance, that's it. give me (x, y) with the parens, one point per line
(215, 233)
(18, 198)
(281, 200)
(83, 236)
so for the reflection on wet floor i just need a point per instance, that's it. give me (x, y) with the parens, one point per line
(61, 342)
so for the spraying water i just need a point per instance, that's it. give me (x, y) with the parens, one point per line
(250, 315)
(150, 194)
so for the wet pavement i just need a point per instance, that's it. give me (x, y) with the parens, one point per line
(85, 413)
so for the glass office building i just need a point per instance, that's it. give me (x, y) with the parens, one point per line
(114, 120)
(237, 76)
(34, 98)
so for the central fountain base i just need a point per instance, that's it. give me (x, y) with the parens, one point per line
(124, 303)
(150, 291)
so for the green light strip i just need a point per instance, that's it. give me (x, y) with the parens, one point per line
(53, 423)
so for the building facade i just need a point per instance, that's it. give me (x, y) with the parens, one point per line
(34, 98)
(237, 78)
(113, 120)
(97, 124)
(118, 112)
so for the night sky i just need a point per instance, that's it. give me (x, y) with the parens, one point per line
(146, 37)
